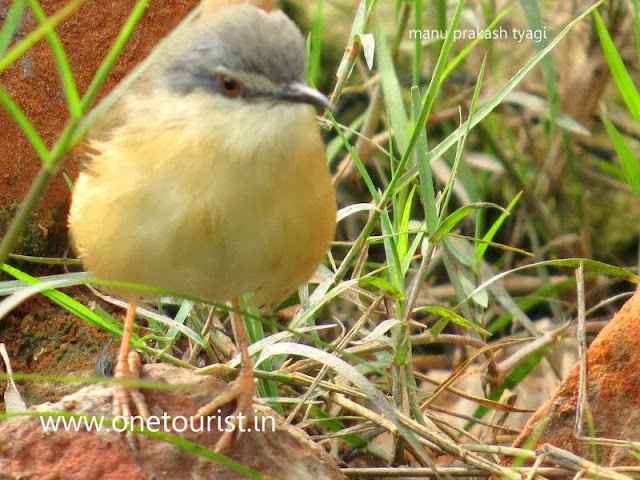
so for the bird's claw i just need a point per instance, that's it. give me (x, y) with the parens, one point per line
(126, 396)
(241, 391)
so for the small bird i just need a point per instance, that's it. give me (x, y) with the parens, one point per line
(208, 177)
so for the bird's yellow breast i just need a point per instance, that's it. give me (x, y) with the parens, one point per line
(215, 206)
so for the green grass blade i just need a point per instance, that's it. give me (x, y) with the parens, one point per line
(62, 62)
(66, 302)
(636, 29)
(447, 192)
(427, 191)
(457, 216)
(438, 72)
(25, 125)
(403, 230)
(630, 164)
(591, 265)
(10, 24)
(481, 247)
(533, 15)
(417, 47)
(465, 51)
(493, 102)
(398, 118)
(113, 55)
(40, 32)
(621, 77)
(315, 46)
(373, 191)
(450, 316)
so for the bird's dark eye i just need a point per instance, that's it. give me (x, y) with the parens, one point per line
(229, 86)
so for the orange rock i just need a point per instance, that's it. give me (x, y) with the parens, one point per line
(285, 452)
(613, 394)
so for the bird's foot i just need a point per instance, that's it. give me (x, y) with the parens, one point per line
(124, 397)
(241, 391)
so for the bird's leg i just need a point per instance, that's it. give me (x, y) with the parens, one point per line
(128, 368)
(242, 389)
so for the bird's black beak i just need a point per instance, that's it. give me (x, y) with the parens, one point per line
(299, 92)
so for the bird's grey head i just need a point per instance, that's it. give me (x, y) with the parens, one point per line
(243, 53)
